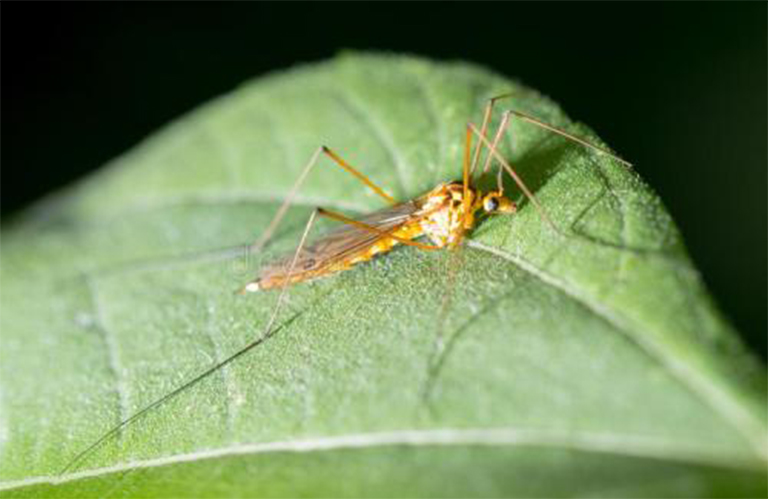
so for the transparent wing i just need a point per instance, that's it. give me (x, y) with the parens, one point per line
(342, 243)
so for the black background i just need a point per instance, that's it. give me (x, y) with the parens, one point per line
(678, 89)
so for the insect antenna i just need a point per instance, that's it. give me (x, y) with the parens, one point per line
(267, 333)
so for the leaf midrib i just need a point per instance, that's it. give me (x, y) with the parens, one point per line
(742, 421)
(605, 443)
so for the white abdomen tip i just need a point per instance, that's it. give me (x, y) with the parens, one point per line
(252, 287)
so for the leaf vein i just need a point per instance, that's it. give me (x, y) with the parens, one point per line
(113, 357)
(604, 443)
(229, 406)
(741, 420)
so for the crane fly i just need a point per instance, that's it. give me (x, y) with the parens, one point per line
(444, 215)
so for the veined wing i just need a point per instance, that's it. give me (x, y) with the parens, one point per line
(337, 246)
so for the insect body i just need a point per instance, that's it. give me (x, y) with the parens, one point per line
(443, 215)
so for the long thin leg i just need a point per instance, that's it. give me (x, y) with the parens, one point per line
(567, 135)
(546, 126)
(505, 120)
(273, 224)
(494, 144)
(515, 176)
(466, 174)
(484, 127)
(267, 333)
(438, 345)
(470, 163)
(362, 178)
(468, 171)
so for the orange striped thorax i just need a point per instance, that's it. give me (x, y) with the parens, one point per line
(446, 215)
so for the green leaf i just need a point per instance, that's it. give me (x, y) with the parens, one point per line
(587, 363)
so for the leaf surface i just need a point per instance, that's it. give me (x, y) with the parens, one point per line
(586, 363)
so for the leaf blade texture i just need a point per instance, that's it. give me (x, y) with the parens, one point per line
(593, 363)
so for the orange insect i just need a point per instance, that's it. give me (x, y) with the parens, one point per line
(444, 215)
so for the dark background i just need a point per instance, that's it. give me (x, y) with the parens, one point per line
(678, 89)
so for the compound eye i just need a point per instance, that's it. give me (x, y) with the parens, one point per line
(491, 204)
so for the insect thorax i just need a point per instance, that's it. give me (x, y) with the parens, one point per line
(444, 224)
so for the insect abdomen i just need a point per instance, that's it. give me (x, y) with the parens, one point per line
(277, 279)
